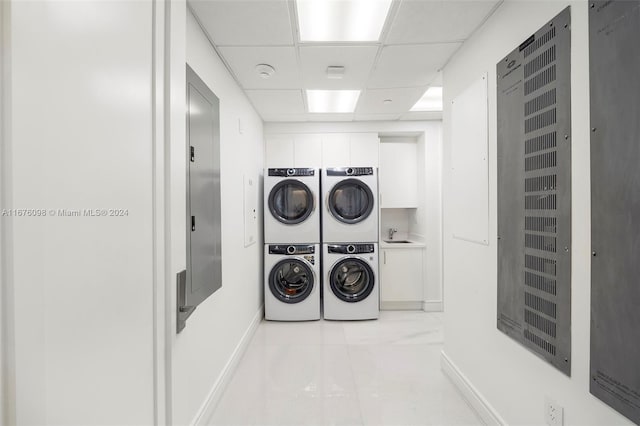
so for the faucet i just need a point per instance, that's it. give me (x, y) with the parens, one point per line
(391, 232)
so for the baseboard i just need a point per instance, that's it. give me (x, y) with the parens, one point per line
(400, 306)
(480, 405)
(432, 306)
(215, 394)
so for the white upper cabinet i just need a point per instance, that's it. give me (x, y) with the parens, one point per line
(322, 150)
(364, 149)
(279, 151)
(307, 151)
(398, 175)
(335, 150)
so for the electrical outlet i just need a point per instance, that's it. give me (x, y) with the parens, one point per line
(553, 413)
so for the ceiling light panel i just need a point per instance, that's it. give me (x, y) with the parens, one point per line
(341, 20)
(430, 101)
(332, 101)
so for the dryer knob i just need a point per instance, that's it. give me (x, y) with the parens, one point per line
(349, 171)
(351, 249)
(291, 172)
(291, 250)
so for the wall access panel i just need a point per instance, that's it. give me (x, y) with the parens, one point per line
(614, 31)
(470, 166)
(534, 193)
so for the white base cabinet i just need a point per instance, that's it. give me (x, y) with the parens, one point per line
(401, 275)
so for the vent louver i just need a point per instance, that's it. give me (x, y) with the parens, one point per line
(534, 172)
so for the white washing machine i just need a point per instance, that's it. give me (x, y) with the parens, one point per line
(292, 282)
(350, 204)
(291, 198)
(350, 275)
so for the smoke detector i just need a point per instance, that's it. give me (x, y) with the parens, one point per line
(265, 70)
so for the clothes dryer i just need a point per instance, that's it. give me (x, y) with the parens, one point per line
(350, 212)
(291, 215)
(292, 282)
(350, 275)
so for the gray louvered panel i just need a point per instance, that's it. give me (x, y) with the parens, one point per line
(614, 31)
(534, 193)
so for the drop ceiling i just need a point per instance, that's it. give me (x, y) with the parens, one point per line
(417, 40)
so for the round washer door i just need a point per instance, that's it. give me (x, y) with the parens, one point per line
(350, 201)
(291, 201)
(291, 280)
(351, 279)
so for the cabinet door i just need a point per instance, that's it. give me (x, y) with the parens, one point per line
(364, 149)
(307, 151)
(335, 150)
(279, 151)
(398, 175)
(401, 278)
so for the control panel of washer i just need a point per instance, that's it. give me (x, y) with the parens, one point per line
(351, 248)
(291, 172)
(350, 171)
(292, 249)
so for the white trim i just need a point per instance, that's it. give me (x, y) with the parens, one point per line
(217, 390)
(400, 306)
(474, 398)
(433, 306)
(160, 215)
(7, 325)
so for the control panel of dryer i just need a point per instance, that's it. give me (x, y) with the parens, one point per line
(350, 248)
(350, 171)
(292, 249)
(291, 172)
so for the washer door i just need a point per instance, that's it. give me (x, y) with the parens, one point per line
(291, 201)
(350, 201)
(351, 280)
(291, 280)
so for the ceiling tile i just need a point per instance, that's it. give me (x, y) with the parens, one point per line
(357, 61)
(372, 100)
(285, 117)
(410, 65)
(245, 22)
(243, 61)
(376, 117)
(423, 115)
(432, 21)
(274, 102)
(330, 117)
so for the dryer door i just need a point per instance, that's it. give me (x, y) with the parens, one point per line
(291, 201)
(350, 201)
(291, 280)
(351, 279)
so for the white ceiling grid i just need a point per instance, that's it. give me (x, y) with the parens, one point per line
(418, 38)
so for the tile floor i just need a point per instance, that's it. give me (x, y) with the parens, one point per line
(384, 372)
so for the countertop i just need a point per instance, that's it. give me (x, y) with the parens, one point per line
(411, 244)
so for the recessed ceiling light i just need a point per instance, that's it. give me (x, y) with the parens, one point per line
(332, 100)
(344, 20)
(430, 101)
(265, 70)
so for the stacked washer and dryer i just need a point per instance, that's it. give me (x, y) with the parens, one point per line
(292, 244)
(350, 243)
(297, 283)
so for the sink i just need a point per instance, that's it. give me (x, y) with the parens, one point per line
(397, 241)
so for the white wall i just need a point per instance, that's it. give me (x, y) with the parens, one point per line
(427, 223)
(81, 137)
(513, 380)
(201, 352)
